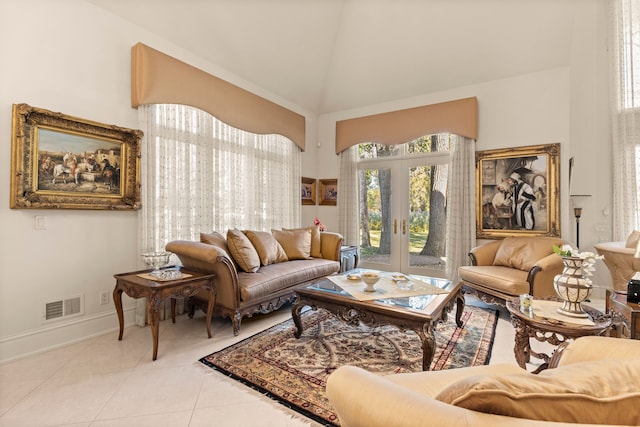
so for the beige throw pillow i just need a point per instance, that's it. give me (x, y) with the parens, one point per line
(214, 238)
(242, 251)
(316, 246)
(268, 248)
(296, 243)
(632, 240)
(595, 392)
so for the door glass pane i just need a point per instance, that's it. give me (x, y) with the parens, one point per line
(375, 215)
(372, 150)
(427, 216)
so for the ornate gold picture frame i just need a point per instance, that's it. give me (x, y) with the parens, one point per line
(308, 191)
(64, 162)
(328, 192)
(518, 192)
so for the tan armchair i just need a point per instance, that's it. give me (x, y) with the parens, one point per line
(618, 257)
(588, 383)
(506, 268)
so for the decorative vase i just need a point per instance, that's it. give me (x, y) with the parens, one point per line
(572, 287)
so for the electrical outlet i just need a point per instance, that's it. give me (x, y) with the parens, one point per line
(104, 297)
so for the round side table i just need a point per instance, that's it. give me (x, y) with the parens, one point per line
(529, 325)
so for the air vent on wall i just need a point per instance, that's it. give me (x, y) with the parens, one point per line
(64, 308)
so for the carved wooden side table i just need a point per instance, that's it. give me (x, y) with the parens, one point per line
(349, 257)
(137, 285)
(625, 315)
(528, 325)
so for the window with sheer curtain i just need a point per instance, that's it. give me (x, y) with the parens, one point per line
(625, 119)
(200, 175)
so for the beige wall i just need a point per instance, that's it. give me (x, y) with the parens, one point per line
(72, 57)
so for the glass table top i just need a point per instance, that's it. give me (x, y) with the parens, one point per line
(419, 302)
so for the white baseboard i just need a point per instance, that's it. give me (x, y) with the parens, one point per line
(54, 336)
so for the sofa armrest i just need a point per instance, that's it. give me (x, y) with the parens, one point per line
(589, 348)
(542, 273)
(485, 253)
(364, 399)
(330, 244)
(196, 255)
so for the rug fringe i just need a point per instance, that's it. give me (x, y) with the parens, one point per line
(243, 388)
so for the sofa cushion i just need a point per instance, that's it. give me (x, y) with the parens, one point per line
(296, 243)
(276, 277)
(316, 246)
(268, 248)
(242, 251)
(594, 392)
(503, 279)
(522, 253)
(214, 238)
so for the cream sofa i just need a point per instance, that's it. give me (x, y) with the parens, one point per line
(594, 380)
(257, 271)
(618, 257)
(506, 268)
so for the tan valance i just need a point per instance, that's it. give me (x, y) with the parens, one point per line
(459, 117)
(157, 78)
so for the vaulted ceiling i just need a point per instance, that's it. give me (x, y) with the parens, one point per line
(333, 55)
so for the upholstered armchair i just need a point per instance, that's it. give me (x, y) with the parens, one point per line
(619, 259)
(506, 268)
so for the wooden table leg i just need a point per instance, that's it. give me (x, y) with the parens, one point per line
(212, 303)
(154, 308)
(296, 309)
(173, 310)
(428, 344)
(460, 303)
(117, 301)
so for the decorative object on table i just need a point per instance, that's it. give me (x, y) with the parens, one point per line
(319, 224)
(64, 162)
(308, 191)
(574, 285)
(370, 278)
(525, 302)
(328, 192)
(517, 192)
(156, 260)
(577, 201)
(293, 371)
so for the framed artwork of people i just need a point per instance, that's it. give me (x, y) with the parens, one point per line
(517, 192)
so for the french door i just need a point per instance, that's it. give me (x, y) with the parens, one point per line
(402, 214)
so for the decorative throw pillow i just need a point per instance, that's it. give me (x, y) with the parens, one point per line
(214, 238)
(593, 392)
(296, 243)
(522, 253)
(242, 251)
(632, 240)
(316, 248)
(268, 248)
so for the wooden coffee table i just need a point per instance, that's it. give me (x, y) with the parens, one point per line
(528, 325)
(625, 315)
(158, 291)
(419, 314)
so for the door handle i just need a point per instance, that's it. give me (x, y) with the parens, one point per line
(395, 226)
(404, 226)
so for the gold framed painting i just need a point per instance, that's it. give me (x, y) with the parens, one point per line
(328, 192)
(308, 191)
(518, 192)
(64, 162)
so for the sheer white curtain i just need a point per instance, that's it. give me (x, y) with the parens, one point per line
(625, 114)
(348, 211)
(461, 230)
(201, 175)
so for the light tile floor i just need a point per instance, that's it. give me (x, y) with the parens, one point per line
(104, 382)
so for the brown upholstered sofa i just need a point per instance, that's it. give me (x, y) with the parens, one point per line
(592, 382)
(506, 268)
(255, 271)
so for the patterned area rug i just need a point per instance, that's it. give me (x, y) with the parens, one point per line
(293, 371)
